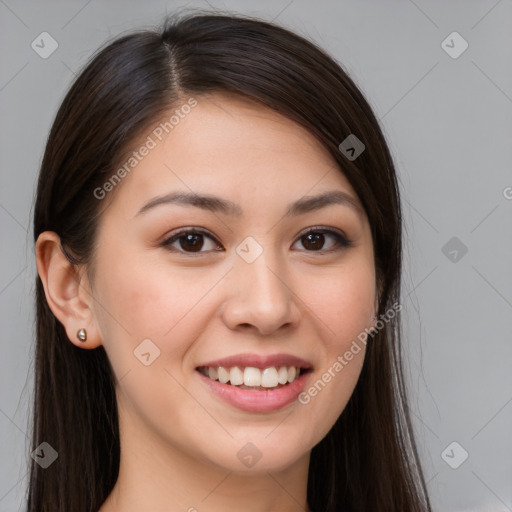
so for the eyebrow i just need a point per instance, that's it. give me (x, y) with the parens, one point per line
(218, 205)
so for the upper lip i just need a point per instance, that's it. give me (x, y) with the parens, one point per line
(259, 361)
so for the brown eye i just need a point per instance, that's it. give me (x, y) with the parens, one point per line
(316, 239)
(191, 241)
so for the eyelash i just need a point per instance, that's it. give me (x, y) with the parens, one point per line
(341, 240)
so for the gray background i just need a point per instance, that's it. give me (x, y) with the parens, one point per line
(448, 123)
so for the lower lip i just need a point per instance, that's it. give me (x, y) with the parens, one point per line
(257, 401)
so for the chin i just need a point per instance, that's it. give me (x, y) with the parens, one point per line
(262, 452)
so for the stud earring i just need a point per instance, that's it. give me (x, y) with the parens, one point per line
(82, 334)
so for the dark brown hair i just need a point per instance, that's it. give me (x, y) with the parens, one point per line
(368, 461)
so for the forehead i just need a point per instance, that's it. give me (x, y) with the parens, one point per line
(223, 125)
(229, 145)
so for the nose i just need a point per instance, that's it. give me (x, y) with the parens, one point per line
(261, 297)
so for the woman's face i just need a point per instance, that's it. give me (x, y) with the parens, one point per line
(247, 287)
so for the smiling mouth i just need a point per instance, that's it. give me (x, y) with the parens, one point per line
(253, 379)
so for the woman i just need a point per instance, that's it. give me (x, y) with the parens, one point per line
(218, 241)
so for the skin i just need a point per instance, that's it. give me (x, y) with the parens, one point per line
(179, 442)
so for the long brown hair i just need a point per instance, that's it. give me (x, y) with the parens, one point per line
(368, 461)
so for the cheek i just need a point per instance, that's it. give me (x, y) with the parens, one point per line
(148, 307)
(137, 296)
(343, 301)
(344, 305)
(142, 298)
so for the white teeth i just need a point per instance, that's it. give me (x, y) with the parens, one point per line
(250, 376)
(223, 374)
(282, 375)
(269, 378)
(236, 376)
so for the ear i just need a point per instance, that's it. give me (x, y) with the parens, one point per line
(67, 290)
